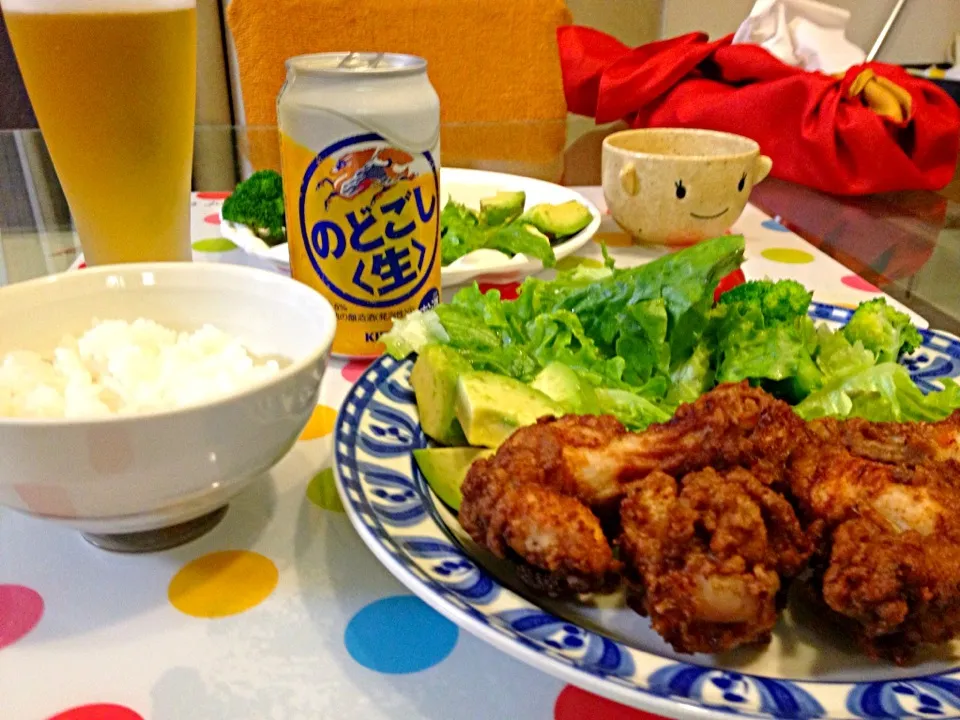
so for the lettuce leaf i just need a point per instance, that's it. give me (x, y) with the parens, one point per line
(633, 410)
(881, 393)
(413, 331)
(623, 332)
(648, 338)
(462, 232)
(517, 238)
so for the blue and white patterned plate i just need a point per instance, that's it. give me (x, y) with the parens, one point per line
(605, 648)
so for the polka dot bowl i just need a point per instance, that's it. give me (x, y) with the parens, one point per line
(133, 473)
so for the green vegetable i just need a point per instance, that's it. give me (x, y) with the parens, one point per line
(517, 238)
(558, 221)
(504, 207)
(777, 301)
(691, 378)
(637, 342)
(445, 469)
(561, 384)
(883, 330)
(500, 226)
(622, 332)
(882, 393)
(413, 331)
(434, 381)
(633, 410)
(760, 332)
(460, 232)
(257, 202)
(491, 406)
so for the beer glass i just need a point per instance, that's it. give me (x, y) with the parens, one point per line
(113, 86)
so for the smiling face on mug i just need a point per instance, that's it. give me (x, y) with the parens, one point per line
(676, 187)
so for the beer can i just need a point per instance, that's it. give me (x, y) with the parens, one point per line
(360, 155)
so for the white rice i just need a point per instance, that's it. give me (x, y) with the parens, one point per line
(122, 368)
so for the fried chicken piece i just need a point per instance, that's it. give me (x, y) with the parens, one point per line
(891, 535)
(708, 555)
(732, 425)
(902, 590)
(519, 503)
(593, 460)
(545, 454)
(898, 443)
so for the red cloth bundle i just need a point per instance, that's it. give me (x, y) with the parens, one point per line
(817, 131)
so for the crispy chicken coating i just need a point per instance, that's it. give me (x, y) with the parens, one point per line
(709, 554)
(521, 503)
(896, 443)
(732, 425)
(890, 533)
(716, 510)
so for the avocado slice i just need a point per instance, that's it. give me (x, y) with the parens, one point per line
(434, 380)
(503, 207)
(490, 407)
(561, 384)
(558, 221)
(445, 469)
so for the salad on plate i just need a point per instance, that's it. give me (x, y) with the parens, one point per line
(637, 342)
(500, 230)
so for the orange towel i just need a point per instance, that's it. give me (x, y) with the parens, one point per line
(491, 61)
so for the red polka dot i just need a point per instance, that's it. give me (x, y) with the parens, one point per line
(213, 195)
(354, 369)
(576, 704)
(20, 610)
(213, 219)
(508, 291)
(81, 266)
(100, 711)
(858, 283)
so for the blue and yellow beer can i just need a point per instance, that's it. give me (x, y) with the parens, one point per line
(359, 143)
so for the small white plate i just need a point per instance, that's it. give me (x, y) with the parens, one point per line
(467, 187)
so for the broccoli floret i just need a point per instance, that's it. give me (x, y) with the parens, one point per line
(257, 203)
(779, 302)
(886, 332)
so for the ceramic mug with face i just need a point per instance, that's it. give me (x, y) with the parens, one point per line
(677, 186)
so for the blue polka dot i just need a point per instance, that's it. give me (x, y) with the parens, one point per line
(774, 225)
(399, 635)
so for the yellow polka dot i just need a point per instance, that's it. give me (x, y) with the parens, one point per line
(322, 491)
(613, 239)
(223, 583)
(788, 255)
(321, 423)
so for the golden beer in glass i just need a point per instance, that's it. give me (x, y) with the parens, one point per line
(113, 86)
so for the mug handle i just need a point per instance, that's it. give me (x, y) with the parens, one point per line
(762, 168)
(629, 180)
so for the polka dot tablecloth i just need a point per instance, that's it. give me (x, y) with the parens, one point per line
(281, 611)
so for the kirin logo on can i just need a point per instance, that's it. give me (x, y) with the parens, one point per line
(374, 168)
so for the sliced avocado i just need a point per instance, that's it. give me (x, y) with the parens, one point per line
(490, 407)
(434, 381)
(558, 221)
(561, 384)
(503, 207)
(446, 468)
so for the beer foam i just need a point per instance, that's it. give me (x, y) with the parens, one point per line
(94, 6)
